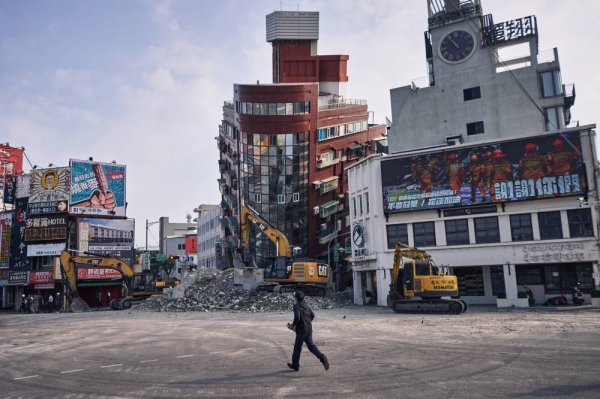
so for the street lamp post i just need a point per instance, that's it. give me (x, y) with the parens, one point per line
(147, 227)
(337, 264)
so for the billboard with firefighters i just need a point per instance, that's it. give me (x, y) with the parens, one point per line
(535, 168)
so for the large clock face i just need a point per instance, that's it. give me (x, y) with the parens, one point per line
(456, 47)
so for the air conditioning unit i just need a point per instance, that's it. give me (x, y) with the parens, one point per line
(343, 159)
(323, 226)
(316, 210)
(339, 225)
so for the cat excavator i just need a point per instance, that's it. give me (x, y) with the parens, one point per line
(418, 285)
(286, 273)
(137, 287)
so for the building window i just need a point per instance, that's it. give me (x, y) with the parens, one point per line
(281, 198)
(258, 198)
(475, 128)
(397, 233)
(580, 223)
(367, 202)
(296, 197)
(360, 204)
(487, 230)
(424, 234)
(550, 225)
(497, 275)
(521, 228)
(457, 232)
(555, 118)
(530, 275)
(470, 280)
(354, 207)
(356, 151)
(472, 93)
(560, 278)
(551, 83)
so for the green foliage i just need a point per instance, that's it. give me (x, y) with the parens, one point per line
(522, 294)
(595, 293)
(501, 295)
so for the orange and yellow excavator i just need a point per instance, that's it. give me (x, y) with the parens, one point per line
(137, 286)
(418, 285)
(286, 273)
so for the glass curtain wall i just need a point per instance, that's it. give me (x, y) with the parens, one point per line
(274, 175)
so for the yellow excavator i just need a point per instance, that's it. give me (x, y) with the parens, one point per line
(418, 285)
(286, 273)
(137, 287)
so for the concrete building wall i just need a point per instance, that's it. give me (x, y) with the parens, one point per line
(209, 234)
(167, 229)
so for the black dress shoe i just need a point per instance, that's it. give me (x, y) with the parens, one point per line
(290, 365)
(325, 363)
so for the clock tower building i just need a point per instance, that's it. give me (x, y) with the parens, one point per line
(481, 78)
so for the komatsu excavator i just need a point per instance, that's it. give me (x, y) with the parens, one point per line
(418, 285)
(137, 285)
(285, 274)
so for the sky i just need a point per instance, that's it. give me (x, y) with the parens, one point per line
(143, 82)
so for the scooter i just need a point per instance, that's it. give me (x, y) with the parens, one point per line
(577, 295)
(557, 301)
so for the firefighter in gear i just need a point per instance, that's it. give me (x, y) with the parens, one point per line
(533, 165)
(477, 177)
(455, 173)
(422, 173)
(488, 167)
(501, 171)
(560, 161)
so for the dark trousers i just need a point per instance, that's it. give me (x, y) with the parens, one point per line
(300, 339)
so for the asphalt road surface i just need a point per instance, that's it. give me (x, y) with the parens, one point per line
(374, 353)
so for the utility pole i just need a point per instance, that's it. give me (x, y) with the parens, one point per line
(146, 253)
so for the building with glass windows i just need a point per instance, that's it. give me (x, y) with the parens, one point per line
(284, 146)
(486, 175)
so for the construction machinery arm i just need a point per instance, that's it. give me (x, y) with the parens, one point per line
(249, 216)
(406, 251)
(69, 265)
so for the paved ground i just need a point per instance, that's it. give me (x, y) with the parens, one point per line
(374, 353)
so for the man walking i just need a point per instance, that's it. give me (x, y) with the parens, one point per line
(50, 304)
(302, 325)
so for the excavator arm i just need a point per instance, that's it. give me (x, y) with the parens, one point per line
(249, 216)
(406, 251)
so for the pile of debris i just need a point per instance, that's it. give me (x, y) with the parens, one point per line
(213, 290)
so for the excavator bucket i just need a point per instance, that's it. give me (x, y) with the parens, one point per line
(79, 306)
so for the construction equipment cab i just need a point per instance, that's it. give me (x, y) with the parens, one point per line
(137, 287)
(285, 273)
(418, 285)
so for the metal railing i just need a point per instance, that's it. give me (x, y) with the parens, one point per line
(327, 238)
(423, 81)
(547, 56)
(345, 103)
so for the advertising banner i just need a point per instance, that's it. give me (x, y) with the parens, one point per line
(5, 227)
(9, 189)
(11, 160)
(17, 277)
(49, 190)
(100, 273)
(40, 277)
(47, 286)
(18, 256)
(46, 228)
(528, 169)
(34, 250)
(23, 186)
(97, 189)
(108, 237)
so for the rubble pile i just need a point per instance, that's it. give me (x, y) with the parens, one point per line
(213, 290)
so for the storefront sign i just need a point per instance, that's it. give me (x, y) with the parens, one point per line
(46, 228)
(11, 160)
(9, 189)
(49, 190)
(553, 253)
(45, 249)
(17, 278)
(40, 277)
(518, 170)
(97, 189)
(471, 211)
(18, 256)
(100, 273)
(23, 186)
(48, 286)
(5, 227)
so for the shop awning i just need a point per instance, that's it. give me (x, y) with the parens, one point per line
(99, 283)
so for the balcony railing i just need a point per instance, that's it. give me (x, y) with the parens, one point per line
(547, 56)
(345, 103)
(424, 81)
(569, 90)
(329, 208)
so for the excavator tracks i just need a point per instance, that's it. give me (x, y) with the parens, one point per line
(440, 306)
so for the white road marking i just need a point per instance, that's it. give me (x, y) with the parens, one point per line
(148, 361)
(111, 365)
(212, 353)
(29, 376)
(178, 357)
(71, 371)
